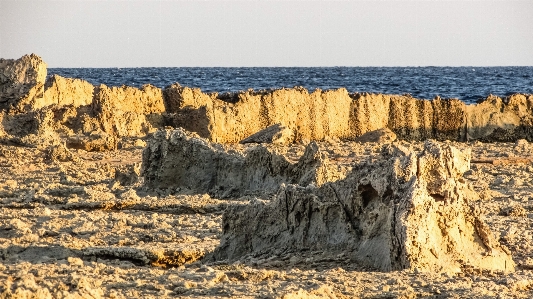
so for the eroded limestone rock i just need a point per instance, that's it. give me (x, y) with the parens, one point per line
(59, 153)
(35, 128)
(66, 92)
(230, 118)
(404, 210)
(178, 97)
(178, 159)
(249, 116)
(122, 111)
(21, 82)
(276, 134)
(381, 136)
(497, 119)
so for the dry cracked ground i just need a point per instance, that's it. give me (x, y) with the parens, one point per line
(82, 225)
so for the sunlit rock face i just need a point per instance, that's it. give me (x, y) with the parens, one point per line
(21, 82)
(405, 210)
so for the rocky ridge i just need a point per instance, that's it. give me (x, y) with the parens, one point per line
(99, 117)
(401, 210)
(302, 215)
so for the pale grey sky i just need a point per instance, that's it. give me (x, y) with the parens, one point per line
(268, 33)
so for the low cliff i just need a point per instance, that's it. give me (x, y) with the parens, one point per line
(81, 109)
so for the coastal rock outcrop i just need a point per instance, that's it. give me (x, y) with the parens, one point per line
(35, 128)
(178, 159)
(230, 118)
(81, 110)
(497, 119)
(405, 210)
(122, 111)
(319, 115)
(66, 92)
(178, 97)
(21, 82)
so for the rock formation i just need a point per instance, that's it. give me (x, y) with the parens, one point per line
(496, 119)
(71, 111)
(405, 210)
(234, 117)
(381, 136)
(276, 134)
(21, 82)
(66, 92)
(177, 159)
(313, 116)
(123, 111)
(81, 110)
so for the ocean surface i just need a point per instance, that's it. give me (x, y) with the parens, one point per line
(466, 83)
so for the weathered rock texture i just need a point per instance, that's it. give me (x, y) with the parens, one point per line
(232, 118)
(276, 134)
(319, 115)
(81, 110)
(177, 159)
(496, 119)
(66, 92)
(314, 116)
(382, 136)
(72, 111)
(35, 128)
(122, 111)
(21, 81)
(403, 210)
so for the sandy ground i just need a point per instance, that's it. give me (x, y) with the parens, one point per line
(88, 228)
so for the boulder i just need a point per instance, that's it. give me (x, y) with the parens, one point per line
(404, 210)
(276, 134)
(380, 136)
(178, 159)
(21, 82)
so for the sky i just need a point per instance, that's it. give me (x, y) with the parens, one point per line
(151, 33)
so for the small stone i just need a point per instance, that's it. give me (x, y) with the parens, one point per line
(187, 285)
(10, 184)
(75, 261)
(513, 211)
(139, 143)
(294, 260)
(384, 135)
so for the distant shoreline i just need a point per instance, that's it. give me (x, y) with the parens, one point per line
(468, 84)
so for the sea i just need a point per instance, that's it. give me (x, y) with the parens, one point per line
(469, 84)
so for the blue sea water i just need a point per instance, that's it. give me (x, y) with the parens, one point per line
(465, 83)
